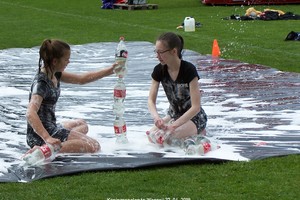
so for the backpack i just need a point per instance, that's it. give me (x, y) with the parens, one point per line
(293, 36)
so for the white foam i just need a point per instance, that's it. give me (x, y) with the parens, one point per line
(11, 91)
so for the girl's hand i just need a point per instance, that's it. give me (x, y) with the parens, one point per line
(160, 124)
(119, 69)
(56, 143)
(170, 129)
(115, 65)
(53, 141)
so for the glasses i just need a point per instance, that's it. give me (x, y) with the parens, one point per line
(161, 52)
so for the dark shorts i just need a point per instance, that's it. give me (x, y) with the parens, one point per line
(58, 132)
(200, 121)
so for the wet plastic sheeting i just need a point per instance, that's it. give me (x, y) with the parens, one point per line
(253, 111)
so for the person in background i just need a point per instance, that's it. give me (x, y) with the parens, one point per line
(179, 79)
(42, 126)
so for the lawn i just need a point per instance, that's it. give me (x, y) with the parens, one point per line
(26, 24)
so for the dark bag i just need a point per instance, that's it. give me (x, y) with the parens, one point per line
(293, 36)
(108, 4)
(269, 15)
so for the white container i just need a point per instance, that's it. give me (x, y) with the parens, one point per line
(189, 24)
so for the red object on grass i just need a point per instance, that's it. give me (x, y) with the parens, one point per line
(215, 49)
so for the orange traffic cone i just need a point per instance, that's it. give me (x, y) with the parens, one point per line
(215, 50)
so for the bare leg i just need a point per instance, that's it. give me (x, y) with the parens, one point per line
(78, 125)
(185, 130)
(78, 141)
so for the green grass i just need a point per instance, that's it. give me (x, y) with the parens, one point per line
(25, 23)
(273, 178)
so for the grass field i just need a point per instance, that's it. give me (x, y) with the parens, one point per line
(25, 23)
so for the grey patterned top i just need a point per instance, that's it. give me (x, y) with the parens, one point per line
(178, 91)
(44, 87)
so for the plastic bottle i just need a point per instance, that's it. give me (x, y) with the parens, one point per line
(200, 139)
(118, 108)
(175, 142)
(120, 130)
(192, 148)
(121, 56)
(182, 143)
(160, 136)
(157, 137)
(40, 154)
(189, 24)
(119, 91)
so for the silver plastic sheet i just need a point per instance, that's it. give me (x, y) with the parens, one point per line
(253, 111)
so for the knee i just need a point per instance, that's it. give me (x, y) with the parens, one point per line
(83, 125)
(81, 122)
(96, 147)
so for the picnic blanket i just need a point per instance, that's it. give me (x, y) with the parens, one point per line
(266, 15)
(253, 111)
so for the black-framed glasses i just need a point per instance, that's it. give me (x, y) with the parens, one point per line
(161, 52)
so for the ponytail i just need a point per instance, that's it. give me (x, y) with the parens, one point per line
(45, 54)
(49, 50)
(180, 49)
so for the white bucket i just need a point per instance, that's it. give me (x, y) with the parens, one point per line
(189, 24)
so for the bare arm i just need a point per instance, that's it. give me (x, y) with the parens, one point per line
(152, 99)
(159, 122)
(35, 122)
(88, 76)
